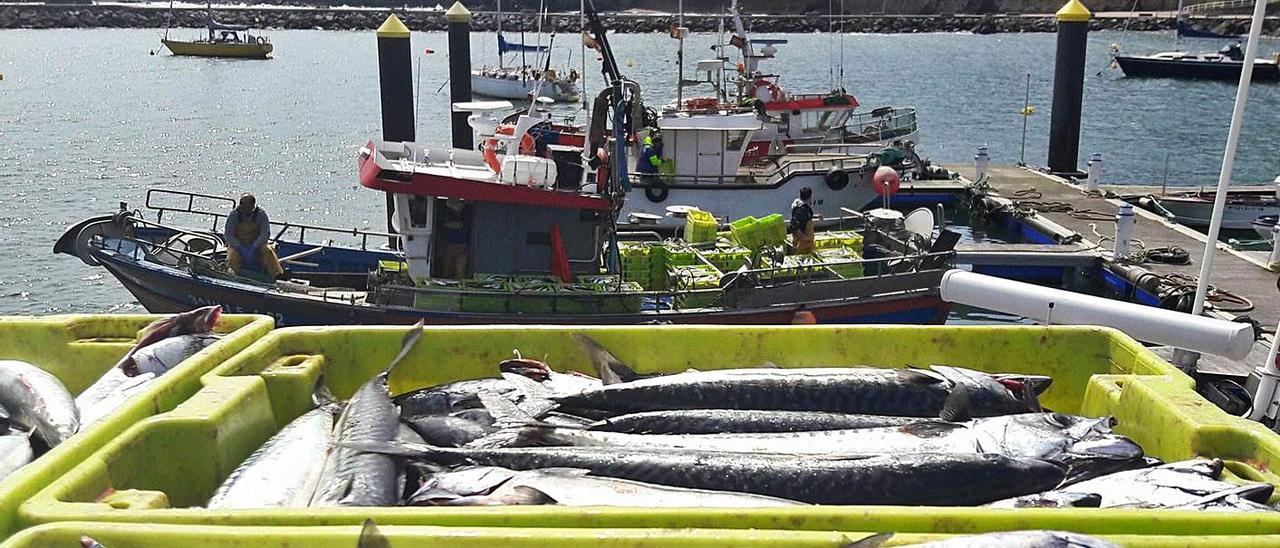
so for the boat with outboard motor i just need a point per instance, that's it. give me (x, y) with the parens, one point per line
(489, 237)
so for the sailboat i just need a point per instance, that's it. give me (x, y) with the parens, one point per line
(523, 81)
(1223, 65)
(224, 40)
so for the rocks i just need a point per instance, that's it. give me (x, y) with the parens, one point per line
(86, 16)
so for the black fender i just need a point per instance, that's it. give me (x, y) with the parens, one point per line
(836, 179)
(656, 190)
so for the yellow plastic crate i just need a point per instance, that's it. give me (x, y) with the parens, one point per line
(78, 349)
(700, 226)
(116, 535)
(175, 461)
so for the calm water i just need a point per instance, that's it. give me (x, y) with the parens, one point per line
(88, 119)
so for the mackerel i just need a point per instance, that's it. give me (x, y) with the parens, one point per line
(714, 421)
(38, 402)
(284, 472)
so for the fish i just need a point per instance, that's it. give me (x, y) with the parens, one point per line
(285, 471)
(449, 430)
(1017, 539)
(38, 402)
(448, 398)
(193, 322)
(910, 479)
(1051, 499)
(1078, 442)
(714, 421)
(89, 542)
(117, 385)
(1177, 484)
(867, 390)
(573, 487)
(15, 451)
(358, 478)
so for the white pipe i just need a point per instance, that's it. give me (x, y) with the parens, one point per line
(1229, 156)
(1145, 323)
(1265, 403)
(1125, 220)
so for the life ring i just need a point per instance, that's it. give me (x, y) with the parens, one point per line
(775, 93)
(490, 151)
(656, 191)
(261, 40)
(836, 179)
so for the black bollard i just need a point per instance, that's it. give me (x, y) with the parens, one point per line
(395, 80)
(1068, 87)
(459, 18)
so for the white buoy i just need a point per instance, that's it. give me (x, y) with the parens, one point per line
(1273, 262)
(980, 162)
(1265, 403)
(1125, 220)
(1145, 323)
(1095, 172)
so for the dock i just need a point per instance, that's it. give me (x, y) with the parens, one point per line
(1066, 210)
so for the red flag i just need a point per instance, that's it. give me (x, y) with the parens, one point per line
(559, 258)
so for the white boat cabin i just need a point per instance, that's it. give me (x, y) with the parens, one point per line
(708, 145)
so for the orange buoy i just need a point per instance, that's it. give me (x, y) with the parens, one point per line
(803, 317)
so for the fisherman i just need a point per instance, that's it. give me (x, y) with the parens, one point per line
(801, 227)
(650, 157)
(246, 232)
(457, 237)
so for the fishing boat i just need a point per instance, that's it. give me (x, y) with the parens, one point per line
(224, 40)
(1195, 208)
(524, 80)
(488, 237)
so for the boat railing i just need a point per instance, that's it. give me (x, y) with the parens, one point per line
(538, 298)
(217, 218)
(784, 168)
(878, 125)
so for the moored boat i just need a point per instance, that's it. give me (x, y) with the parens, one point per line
(1225, 65)
(1264, 225)
(1195, 208)
(524, 80)
(223, 40)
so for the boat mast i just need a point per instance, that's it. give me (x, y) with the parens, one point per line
(209, 17)
(1228, 163)
(499, 33)
(1177, 28)
(680, 53)
(168, 21)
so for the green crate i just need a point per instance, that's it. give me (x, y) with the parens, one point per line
(700, 226)
(744, 232)
(772, 229)
(78, 349)
(837, 239)
(413, 536)
(492, 303)
(172, 463)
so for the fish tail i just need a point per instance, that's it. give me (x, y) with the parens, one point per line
(608, 366)
(410, 339)
(371, 537)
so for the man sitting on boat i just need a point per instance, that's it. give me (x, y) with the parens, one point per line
(246, 234)
(801, 226)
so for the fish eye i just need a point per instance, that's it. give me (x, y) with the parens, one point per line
(1059, 419)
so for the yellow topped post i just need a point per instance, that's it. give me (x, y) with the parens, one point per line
(393, 28)
(458, 13)
(1074, 11)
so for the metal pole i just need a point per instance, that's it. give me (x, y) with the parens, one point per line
(1229, 155)
(1187, 360)
(680, 54)
(1026, 105)
(1068, 87)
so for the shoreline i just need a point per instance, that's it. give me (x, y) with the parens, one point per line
(65, 16)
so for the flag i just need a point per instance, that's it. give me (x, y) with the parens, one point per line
(738, 41)
(559, 258)
(590, 42)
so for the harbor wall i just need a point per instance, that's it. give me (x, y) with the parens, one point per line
(41, 16)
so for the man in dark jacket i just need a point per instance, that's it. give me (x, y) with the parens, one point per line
(246, 233)
(801, 226)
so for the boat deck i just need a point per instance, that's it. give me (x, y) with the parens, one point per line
(1241, 273)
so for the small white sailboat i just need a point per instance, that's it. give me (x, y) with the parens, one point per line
(523, 80)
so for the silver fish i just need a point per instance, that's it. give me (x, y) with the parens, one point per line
(15, 452)
(117, 385)
(1171, 485)
(716, 421)
(285, 471)
(353, 477)
(1053, 436)
(37, 401)
(575, 487)
(1021, 539)
(193, 322)
(1051, 499)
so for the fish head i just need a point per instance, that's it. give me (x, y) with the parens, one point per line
(1069, 439)
(996, 394)
(200, 320)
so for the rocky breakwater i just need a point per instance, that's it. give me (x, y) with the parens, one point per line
(42, 16)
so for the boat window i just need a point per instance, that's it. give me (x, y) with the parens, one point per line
(735, 140)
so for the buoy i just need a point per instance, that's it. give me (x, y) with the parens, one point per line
(803, 317)
(886, 181)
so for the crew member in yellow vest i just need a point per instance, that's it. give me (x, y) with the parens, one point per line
(246, 233)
